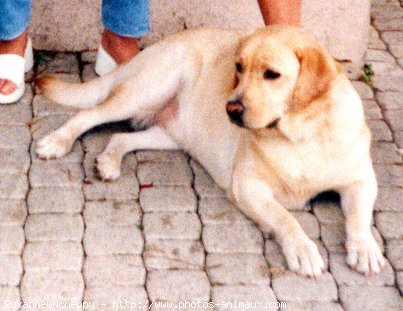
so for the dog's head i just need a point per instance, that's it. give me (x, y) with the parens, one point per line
(281, 69)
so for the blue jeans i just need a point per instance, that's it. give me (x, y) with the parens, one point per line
(129, 18)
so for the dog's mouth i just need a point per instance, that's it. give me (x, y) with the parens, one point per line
(273, 124)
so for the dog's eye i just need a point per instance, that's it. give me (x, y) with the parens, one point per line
(271, 75)
(238, 67)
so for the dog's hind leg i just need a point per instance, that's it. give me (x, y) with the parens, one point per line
(158, 74)
(109, 161)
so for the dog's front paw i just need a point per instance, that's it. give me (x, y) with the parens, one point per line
(303, 257)
(364, 255)
(107, 166)
(53, 146)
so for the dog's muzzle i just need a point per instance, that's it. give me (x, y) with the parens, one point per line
(235, 111)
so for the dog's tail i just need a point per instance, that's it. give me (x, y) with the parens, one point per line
(79, 95)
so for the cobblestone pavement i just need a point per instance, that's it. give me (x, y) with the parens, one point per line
(164, 231)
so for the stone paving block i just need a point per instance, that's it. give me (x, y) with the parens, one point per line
(44, 125)
(386, 10)
(53, 256)
(14, 161)
(178, 285)
(380, 131)
(371, 298)
(56, 174)
(277, 261)
(389, 224)
(382, 152)
(164, 174)
(394, 119)
(374, 41)
(389, 199)
(55, 200)
(13, 212)
(204, 183)
(107, 297)
(13, 185)
(389, 100)
(334, 237)
(89, 72)
(291, 287)
(399, 276)
(309, 224)
(124, 189)
(388, 82)
(10, 298)
(88, 56)
(240, 269)
(371, 109)
(394, 41)
(345, 276)
(313, 305)
(389, 24)
(117, 270)
(399, 139)
(11, 271)
(261, 297)
(389, 175)
(174, 255)
(363, 89)
(54, 227)
(232, 239)
(106, 240)
(220, 211)
(95, 142)
(169, 156)
(20, 112)
(43, 106)
(12, 239)
(385, 68)
(14, 137)
(394, 251)
(112, 213)
(328, 212)
(61, 286)
(353, 70)
(374, 55)
(64, 63)
(168, 199)
(171, 226)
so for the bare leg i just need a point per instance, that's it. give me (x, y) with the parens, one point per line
(16, 46)
(280, 11)
(363, 253)
(109, 161)
(120, 48)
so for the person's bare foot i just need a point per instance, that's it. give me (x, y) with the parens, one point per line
(16, 46)
(120, 48)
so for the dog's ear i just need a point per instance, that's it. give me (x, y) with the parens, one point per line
(317, 70)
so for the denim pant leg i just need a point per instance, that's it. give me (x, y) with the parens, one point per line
(129, 18)
(14, 18)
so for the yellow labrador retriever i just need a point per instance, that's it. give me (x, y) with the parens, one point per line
(297, 127)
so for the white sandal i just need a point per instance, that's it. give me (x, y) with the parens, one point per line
(104, 63)
(13, 67)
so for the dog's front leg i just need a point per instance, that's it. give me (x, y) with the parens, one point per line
(363, 253)
(254, 197)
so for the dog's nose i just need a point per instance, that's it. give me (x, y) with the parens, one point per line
(235, 110)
